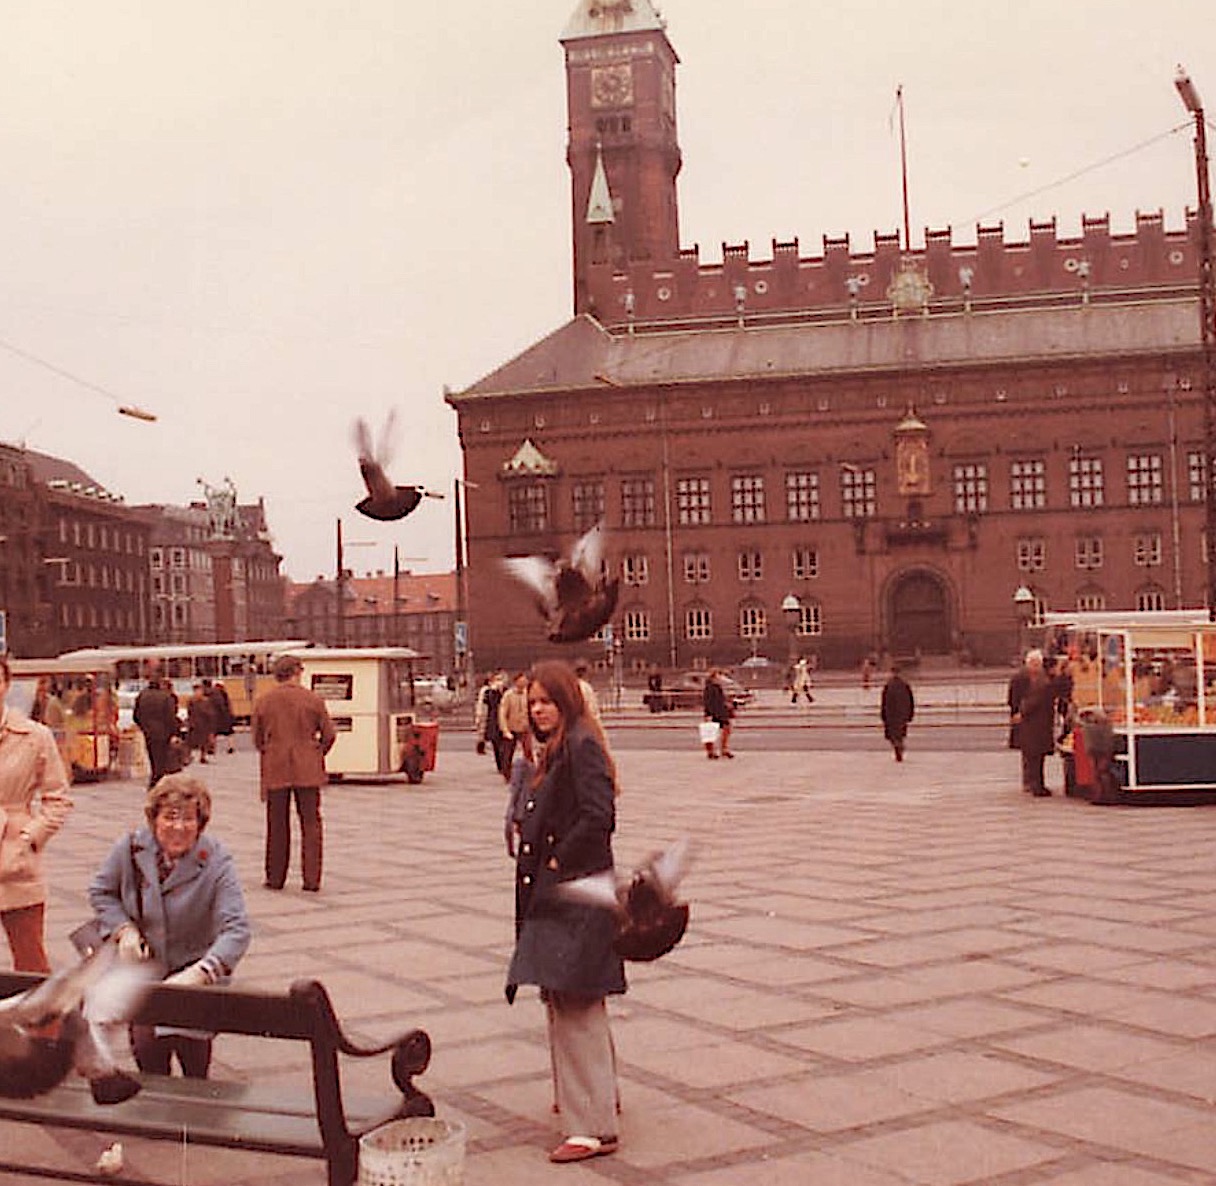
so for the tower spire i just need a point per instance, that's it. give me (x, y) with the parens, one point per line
(599, 202)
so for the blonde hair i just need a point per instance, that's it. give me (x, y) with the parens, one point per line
(178, 790)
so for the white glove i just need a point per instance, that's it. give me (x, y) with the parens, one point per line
(192, 976)
(132, 947)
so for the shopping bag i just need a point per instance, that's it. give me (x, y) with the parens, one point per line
(709, 732)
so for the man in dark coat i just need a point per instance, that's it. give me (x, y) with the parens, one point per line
(221, 707)
(1035, 722)
(156, 716)
(293, 733)
(717, 709)
(898, 708)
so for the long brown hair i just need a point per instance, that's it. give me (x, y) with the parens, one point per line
(558, 679)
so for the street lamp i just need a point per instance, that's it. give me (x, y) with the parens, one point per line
(1207, 324)
(791, 611)
(1024, 609)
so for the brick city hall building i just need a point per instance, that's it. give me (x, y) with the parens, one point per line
(886, 443)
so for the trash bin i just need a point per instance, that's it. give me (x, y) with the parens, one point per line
(418, 1151)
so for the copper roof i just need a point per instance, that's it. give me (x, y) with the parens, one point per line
(583, 354)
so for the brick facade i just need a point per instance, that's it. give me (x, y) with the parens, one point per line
(894, 439)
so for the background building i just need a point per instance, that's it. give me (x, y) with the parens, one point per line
(79, 568)
(412, 609)
(885, 443)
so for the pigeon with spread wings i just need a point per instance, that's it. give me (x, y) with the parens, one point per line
(69, 1021)
(384, 500)
(573, 594)
(650, 921)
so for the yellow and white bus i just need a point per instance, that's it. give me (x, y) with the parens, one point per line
(242, 667)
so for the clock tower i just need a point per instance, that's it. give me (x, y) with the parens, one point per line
(620, 98)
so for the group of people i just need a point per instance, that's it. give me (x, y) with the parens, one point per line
(167, 891)
(170, 745)
(1040, 706)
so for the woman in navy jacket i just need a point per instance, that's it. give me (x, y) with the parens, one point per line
(169, 894)
(567, 818)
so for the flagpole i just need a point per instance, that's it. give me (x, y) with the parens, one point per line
(903, 166)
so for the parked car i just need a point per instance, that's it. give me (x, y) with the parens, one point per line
(688, 692)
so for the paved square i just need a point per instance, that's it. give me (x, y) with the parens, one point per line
(895, 974)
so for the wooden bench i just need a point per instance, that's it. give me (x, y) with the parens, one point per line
(237, 1115)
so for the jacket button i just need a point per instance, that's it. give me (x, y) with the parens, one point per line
(527, 880)
(526, 850)
(530, 805)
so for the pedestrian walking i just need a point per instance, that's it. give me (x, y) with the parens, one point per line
(200, 723)
(156, 716)
(897, 710)
(293, 733)
(565, 947)
(34, 803)
(800, 682)
(717, 709)
(1036, 723)
(513, 723)
(221, 707)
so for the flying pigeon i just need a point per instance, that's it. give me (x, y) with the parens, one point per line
(572, 594)
(650, 922)
(384, 501)
(67, 1021)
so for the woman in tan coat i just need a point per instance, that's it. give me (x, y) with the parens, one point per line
(34, 803)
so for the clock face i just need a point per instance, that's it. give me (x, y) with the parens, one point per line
(612, 86)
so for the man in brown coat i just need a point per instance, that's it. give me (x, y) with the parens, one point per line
(293, 733)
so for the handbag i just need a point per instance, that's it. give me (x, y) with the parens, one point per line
(708, 732)
(88, 937)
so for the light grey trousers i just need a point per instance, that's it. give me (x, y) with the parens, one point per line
(584, 1064)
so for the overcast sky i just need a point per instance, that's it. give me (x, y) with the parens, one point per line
(259, 219)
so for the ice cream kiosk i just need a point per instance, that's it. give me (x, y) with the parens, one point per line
(369, 692)
(1144, 690)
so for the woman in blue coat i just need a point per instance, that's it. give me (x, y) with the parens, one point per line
(566, 948)
(167, 893)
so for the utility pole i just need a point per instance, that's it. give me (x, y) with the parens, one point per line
(1207, 316)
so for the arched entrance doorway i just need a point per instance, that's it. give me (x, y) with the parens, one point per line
(919, 609)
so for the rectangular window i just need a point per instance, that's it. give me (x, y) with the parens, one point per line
(858, 493)
(528, 507)
(1032, 555)
(810, 620)
(637, 502)
(635, 570)
(747, 498)
(696, 568)
(1028, 484)
(1085, 487)
(179, 583)
(1150, 600)
(1145, 480)
(692, 501)
(753, 623)
(801, 496)
(637, 625)
(971, 488)
(1146, 549)
(806, 564)
(1196, 471)
(156, 558)
(1089, 551)
(179, 614)
(698, 624)
(178, 558)
(588, 504)
(1091, 602)
(751, 565)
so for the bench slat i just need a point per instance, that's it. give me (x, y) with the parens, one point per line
(214, 1112)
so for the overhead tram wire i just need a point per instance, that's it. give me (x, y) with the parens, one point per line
(1042, 189)
(124, 409)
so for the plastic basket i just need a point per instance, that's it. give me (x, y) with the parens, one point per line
(419, 1151)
